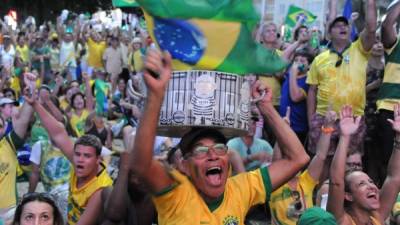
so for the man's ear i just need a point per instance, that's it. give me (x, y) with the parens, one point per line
(186, 167)
(348, 196)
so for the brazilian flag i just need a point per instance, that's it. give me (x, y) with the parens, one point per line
(124, 3)
(211, 35)
(296, 13)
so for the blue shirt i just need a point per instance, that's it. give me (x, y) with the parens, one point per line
(298, 113)
(259, 145)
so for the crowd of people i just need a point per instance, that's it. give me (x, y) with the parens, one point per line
(323, 145)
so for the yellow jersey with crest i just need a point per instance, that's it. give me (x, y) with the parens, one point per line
(340, 81)
(79, 197)
(182, 204)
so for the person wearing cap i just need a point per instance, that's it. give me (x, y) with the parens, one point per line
(353, 196)
(255, 152)
(7, 112)
(136, 56)
(205, 184)
(387, 94)
(9, 143)
(336, 72)
(316, 216)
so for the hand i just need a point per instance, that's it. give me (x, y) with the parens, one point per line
(294, 69)
(396, 116)
(348, 124)
(257, 90)
(287, 115)
(160, 65)
(354, 16)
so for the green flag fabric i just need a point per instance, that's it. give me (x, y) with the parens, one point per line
(124, 3)
(100, 90)
(210, 35)
(296, 13)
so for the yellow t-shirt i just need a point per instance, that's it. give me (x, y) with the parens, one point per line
(79, 197)
(273, 82)
(342, 85)
(23, 52)
(78, 122)
(183, 205)
(138, 61)
(282, 200)
(8, 169)
(95, 53)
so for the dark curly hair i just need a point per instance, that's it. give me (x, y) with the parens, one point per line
(40, 197)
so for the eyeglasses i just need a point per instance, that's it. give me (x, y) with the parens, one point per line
(200, 152)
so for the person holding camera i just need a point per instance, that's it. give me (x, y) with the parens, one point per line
(294, 94)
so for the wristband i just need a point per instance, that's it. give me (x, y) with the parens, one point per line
(327, 130)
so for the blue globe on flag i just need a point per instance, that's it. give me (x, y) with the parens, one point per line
(183, 40)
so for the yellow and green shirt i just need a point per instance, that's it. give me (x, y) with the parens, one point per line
(8, 169)
(78, 122)
(79, 197)
(182, 204)
(389, 92)
(283, 197)
(341, 85)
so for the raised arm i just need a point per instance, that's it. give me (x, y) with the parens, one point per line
(348, 126)
(368, 34)
(331, 15)
(296, 93)
(294, 157)
(21, 122)
(316, 165)
(391, 186)
(55, 129)
(389, 35)
(151, 171)
(118, 200)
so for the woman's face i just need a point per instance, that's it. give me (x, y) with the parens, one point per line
(37, 213)
(121, 85)
(363, 191)
(79, 102)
